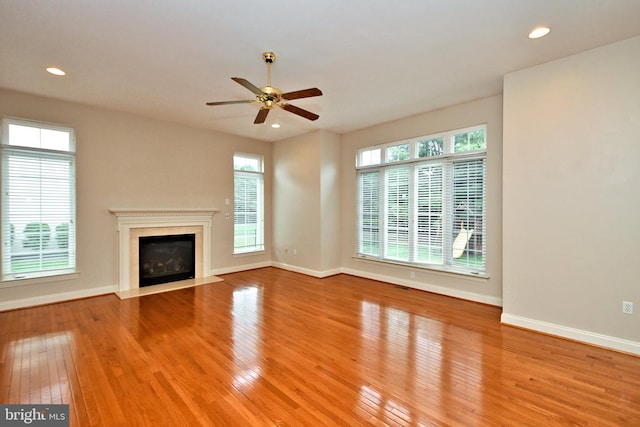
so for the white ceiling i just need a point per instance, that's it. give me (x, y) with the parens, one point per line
(374, 60)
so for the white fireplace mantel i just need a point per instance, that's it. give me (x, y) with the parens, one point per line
(161, 213)
(135, 219)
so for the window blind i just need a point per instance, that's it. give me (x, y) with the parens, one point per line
(369, 214)
(429, 214)
(248, 212)
(468, 213)
(396, 235)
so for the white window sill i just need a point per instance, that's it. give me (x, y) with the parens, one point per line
(249, 253)
(13, 280)
(438, 270)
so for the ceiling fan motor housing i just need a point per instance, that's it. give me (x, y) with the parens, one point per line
(272, 95)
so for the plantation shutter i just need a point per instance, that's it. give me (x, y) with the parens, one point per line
(38, 200)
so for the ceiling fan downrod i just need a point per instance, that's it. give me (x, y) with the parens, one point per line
(269, 58)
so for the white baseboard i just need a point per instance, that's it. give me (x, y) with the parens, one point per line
(53, 298)
(456, 293)
(237, 268)
(308, 272)
(588, 337)
(470, 296)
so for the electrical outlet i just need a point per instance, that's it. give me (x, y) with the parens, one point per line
(412, 275)
(627, 307)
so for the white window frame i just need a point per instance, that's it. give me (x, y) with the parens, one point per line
(258, 176)
(473, 260)
(61, 211)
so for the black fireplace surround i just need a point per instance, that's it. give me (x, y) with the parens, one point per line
(165, 259)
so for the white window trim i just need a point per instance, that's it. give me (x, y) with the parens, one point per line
(34, 279)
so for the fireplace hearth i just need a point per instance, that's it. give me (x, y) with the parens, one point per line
(166, 258)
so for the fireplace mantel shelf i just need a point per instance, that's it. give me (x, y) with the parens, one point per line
(162, 212)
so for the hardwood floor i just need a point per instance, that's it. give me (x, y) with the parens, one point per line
(272, 347)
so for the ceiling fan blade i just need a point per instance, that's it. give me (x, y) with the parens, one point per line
(248, 85)
(299, 111)
(262, 116)
(305, 93)
(230, 102)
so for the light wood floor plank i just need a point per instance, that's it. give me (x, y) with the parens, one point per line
(270, 347)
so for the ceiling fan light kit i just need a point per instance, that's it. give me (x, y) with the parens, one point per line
(271, 96)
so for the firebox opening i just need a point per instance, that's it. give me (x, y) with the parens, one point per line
(166, 259)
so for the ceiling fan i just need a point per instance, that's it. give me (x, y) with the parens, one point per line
(271, 96)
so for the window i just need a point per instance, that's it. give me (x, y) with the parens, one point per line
(423, 202)
(38, 200)
(248, 207)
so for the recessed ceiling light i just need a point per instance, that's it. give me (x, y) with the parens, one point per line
(275, 126)
(538, 32)
(56, 71)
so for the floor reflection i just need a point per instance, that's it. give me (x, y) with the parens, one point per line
(246, 334)
(386, 409)
(145, 318)
(47, 379)
(409, 356)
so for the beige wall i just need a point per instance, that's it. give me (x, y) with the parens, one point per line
(571, 196)
(489, 111)
(330, 206)
(306, 201)
(125, 161)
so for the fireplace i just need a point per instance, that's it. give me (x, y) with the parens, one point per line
(168, 258)
(134, 224)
